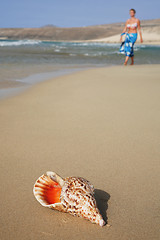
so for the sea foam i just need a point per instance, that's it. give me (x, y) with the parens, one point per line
(18, 42)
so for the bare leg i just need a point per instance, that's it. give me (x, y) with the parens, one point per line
(126, 60)
(132, 60)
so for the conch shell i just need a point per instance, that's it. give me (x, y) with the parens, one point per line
(74, 195)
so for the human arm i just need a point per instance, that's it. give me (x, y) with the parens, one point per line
(124, 30)
(139, 29)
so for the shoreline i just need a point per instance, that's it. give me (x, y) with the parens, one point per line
(27, 82)
(101, 40)
(33, 79)
(87, 56)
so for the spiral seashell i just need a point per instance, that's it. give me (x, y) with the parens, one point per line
(74, 195)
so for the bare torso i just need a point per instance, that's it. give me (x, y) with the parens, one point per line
(132, 25)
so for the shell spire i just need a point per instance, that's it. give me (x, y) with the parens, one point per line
(74, 195)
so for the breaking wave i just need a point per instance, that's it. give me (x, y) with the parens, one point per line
(18, 42)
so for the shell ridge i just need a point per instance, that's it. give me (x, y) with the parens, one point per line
(46, 191)
(74, 195)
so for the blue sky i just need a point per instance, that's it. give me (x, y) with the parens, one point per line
(73, 13)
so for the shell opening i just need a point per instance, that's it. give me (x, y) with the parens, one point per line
(47, 191)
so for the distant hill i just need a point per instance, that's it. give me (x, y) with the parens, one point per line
(49, 25)
(51, 32)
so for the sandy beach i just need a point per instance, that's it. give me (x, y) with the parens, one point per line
(101, 124)
(150, 37)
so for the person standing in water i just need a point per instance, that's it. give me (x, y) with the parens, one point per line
(130, 30)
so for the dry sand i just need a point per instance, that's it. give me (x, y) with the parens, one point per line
(101, 124)
(148, 38)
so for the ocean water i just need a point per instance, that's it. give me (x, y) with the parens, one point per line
(41, 52)
(22, 58)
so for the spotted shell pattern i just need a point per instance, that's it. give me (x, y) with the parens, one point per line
(76, 196)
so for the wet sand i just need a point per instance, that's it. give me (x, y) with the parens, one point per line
(101, 124)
